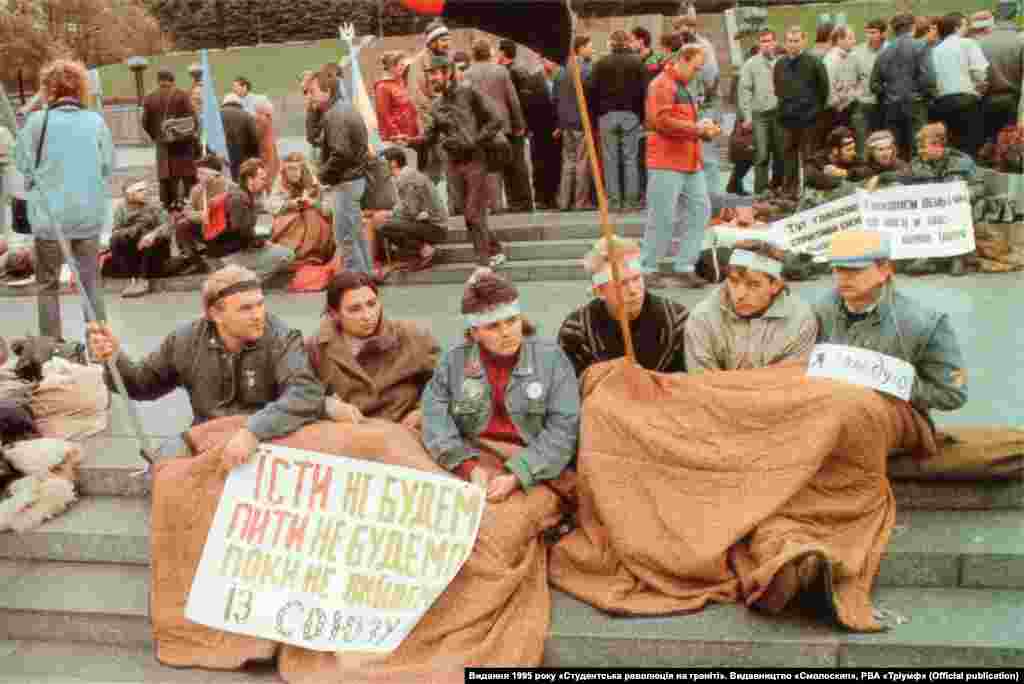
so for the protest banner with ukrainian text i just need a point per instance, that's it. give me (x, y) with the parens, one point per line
(331, 553)
(811, 231)
(923, 221)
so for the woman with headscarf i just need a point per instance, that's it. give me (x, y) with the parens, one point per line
(503, 408)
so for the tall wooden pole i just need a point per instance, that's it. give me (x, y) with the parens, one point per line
(602, 200)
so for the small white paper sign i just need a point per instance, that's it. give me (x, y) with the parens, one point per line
(862, 367)
(331, 553)
(933, 220)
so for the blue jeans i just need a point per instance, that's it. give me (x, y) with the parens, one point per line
(620, 142)
(676, 202)
(348, 226)
(712, 166)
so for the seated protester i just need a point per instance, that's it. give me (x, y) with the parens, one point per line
(883, 161)
(229, 232)
(838, 163)
(300, 223)
(502, 385)
(138, 249)
(751, 321)
(375, 367)
(212, 183)
(937, 163)
(234, 360)
(592, 333)
(865, 310)
(419, 220)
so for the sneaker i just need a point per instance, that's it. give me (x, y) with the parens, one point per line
(497, 260)
(139, 287)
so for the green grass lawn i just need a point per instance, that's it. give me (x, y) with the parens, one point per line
(273, 69)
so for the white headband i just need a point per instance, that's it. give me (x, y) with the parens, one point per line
(437, 33)
(756, 262)
(136, 187)
(603, 276)
(498, 313)
(983, 23)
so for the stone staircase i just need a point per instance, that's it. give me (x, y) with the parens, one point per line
(540, 246)
(74, 595)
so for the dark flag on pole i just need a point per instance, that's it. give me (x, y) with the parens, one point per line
(541, 25)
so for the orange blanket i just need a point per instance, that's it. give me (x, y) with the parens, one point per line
(495, 613)
(308, 233)
(709, 486)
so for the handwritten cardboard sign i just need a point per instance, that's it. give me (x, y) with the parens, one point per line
(862, 367)
(331, 553)
(933, 220)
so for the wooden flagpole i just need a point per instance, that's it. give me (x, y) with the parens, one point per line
(602, 199)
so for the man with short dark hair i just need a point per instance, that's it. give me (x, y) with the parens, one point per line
(757, 108)
(462, 120)
(903, 79)
(574, 187)
(242, 87)
(175, 161)
(866, 116)
(617, 90)
(240, 133)
(227, 226)
(494, 82)
(235, 360)
(419, 220)
(802, 88)
(837, 164)
(536, 106)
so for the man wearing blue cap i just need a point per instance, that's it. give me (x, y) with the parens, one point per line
(866, 311)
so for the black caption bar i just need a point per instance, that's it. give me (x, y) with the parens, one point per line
(645, 674)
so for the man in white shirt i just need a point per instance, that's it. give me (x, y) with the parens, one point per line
(961, 71)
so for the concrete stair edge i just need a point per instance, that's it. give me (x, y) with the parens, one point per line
(932, 628)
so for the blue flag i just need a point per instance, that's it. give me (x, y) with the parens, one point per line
(213, 126)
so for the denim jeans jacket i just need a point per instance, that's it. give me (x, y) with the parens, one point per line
(542, 399)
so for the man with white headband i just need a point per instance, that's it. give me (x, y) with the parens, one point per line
(592, 333)
(751, 321)
(236, 359)
(502, 409)
(865, 310)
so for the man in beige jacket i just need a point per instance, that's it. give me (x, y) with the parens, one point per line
(751, 321)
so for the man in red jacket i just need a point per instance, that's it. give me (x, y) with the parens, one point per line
(677, 192)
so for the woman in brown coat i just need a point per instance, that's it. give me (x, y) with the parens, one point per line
(372, 367)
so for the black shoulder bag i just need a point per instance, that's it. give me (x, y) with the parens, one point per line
(19, 206)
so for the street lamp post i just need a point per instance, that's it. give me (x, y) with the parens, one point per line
(138, 66)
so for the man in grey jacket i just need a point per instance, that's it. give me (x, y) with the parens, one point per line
(235, 360)
(758, 109)
(419, 220)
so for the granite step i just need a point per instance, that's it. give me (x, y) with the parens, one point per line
(938, 627)
(112, 463)
(32, 662)
(978, 549)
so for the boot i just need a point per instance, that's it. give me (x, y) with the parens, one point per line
(919, 267)
(139, 287)
(957, 267)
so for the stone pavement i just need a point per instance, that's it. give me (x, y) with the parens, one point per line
(983, 310)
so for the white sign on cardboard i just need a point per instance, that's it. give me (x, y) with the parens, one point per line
(810, 232)
(862, 367)
(331, 553)
(933, 220)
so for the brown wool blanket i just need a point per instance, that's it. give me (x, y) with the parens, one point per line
(495, 613)
(706, 486)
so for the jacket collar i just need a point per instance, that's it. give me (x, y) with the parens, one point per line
(473, 367)
(876, 315)
(214, 341)
(384, 340)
